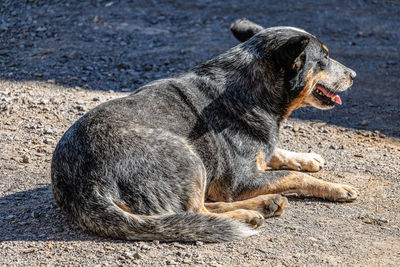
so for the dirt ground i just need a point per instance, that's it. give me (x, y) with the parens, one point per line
(58, 59)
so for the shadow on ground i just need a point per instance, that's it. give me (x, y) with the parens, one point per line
(121, 45)
(32, 215)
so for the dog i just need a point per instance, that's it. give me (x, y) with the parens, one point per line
(186, 158)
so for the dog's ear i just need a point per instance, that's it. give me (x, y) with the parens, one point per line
(288, 55)
(244, 29)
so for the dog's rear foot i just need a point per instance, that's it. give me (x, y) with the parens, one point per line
(253, 218)
(270, 205)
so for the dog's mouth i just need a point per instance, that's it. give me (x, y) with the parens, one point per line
(326, 96)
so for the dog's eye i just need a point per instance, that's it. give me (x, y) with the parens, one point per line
(323, 63)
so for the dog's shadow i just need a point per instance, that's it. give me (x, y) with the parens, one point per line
(33, 215)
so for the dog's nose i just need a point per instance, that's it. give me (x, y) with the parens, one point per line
(352, 74)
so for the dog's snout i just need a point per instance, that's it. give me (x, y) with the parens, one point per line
(352, 74)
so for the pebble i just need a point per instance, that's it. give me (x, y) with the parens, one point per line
(48, 131)
(29, 250)
(26, 159)
(136, 256)
(364, 123)
(187, 260)
(48, 141)
(199, 243)
(35, 214)
(177, 245)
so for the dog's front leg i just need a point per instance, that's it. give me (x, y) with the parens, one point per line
(302, 184)
(296, 161)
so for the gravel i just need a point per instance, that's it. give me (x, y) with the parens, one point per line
(59, 59)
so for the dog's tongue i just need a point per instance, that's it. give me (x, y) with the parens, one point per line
(334, 97)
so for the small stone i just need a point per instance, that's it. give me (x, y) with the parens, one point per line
(313, 239)
(145, 247)
(187, 260)
(170, 262)
(136, 256)
(332, 147)
(48, 141)
(35, 214)
(48, 131)
(96, 19)
(383, 220)
(29, 250)
(43, 101)
(41, 29)
(364, 123)
(199, 243)
(95, 99)
(358, 155)
(26, 159)
(177, 245)
(73, 55)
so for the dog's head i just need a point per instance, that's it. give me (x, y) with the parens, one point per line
(301, 61)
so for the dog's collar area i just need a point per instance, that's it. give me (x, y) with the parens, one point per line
(326, 96)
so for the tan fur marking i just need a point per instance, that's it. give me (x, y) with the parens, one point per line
(259, 203)
(124, 207)
(251, 217)
(304, 185)
(196, 202)
(305, 98)
(325, 48)
(260, 161)
(217, 191)
(298, 102)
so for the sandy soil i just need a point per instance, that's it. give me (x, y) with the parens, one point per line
(59, 60)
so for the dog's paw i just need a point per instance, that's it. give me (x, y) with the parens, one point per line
(343, 193)
(251, 217)
(311, 162)
(271, 205)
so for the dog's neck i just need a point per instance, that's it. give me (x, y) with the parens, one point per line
(238, 80)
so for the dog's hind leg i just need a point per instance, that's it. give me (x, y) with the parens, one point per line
(304, 185)
(268, 205)
(296, 161)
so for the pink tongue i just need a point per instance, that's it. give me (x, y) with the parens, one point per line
(334, 97)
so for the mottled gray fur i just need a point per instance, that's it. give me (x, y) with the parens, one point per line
(157, 149)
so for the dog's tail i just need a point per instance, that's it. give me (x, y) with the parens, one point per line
(116, 223)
